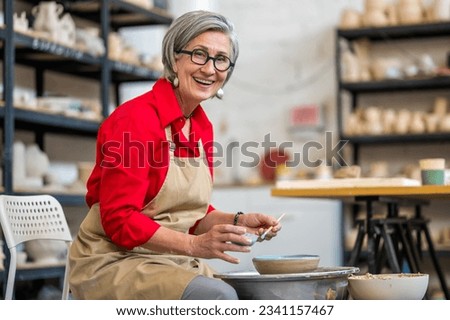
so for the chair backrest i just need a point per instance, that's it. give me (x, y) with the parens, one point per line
(26, 218)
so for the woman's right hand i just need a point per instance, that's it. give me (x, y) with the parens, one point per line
(218, 240)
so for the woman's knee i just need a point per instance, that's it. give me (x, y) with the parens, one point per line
(204, 288)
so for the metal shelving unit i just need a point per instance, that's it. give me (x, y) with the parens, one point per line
(43, 56)
(356, 89)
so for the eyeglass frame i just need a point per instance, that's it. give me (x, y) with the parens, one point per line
(208, 57)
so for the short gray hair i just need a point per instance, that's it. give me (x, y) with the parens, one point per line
(189, 26)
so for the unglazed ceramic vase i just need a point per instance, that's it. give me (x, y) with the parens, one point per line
(350, 19)
(36, 161)
(47, 19)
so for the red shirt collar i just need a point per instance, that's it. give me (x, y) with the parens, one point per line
(169, 112)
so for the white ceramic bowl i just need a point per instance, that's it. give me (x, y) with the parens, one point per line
(401, 286)
(273, 264)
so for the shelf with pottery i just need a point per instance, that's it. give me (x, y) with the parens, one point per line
(67, 44)
(360, 72)
(32, 271)
(33, 51)
(123, 13)
(433, 83)
(421, 30)
(398, 138)
(56, 49)
(29, 118)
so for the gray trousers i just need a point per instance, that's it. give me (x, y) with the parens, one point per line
(204, 288)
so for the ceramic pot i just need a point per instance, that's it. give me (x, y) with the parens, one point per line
(36, 161)
(440, 10)
(374, 5)
(20, 22)
(46, 15)
(444, 125)
(392, 14)
(403, 120)
(388, 119)
(351, 68)
(379, 169)
(440, 106)
(115, 46)
(350, 19)
(410, 12)
(417, 124)
(431, 123)
(67, 31)
(375, 18)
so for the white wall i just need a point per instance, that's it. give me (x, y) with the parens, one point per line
(286, 59)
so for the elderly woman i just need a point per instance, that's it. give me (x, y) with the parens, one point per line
(151, 226)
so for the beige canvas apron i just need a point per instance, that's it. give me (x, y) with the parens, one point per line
(101, 270)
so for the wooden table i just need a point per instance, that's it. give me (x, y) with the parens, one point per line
(346, 193)
(394, 196)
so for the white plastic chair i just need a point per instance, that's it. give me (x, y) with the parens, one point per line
(26, 218)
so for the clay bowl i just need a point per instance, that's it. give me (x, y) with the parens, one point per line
(272, 264)
(401, 286)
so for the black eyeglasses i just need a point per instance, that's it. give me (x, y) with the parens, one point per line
(201, 57)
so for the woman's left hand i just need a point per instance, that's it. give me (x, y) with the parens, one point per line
(258, 223)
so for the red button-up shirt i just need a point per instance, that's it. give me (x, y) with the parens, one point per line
(132, 160)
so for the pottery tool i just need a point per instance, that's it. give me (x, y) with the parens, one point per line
(263, 236)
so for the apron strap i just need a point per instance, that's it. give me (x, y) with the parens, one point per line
(172, 146)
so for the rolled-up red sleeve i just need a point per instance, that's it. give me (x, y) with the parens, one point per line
(124, 180)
